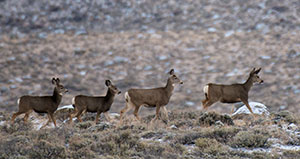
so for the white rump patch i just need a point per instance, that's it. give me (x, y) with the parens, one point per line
(127, 96)
(18, 101)
(73, 100)
(205, 89)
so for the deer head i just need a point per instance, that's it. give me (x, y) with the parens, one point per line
(113, 89)
(254, 76)
(173, 78)
(61, 90)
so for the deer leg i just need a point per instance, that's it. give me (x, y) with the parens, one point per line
(14, 116)
(53, 119)
(49, 119)
(124, 111)
(136, 110)
(107, 116)
(97, 116)
(165, 112)
(78, 114)
(27, 115)
(157, 114)
(71, 114)
(248, 106)
(207, 104)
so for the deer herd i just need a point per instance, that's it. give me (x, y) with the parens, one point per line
(134, 99)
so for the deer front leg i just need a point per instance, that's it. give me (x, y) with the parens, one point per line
(53, 119)
(157, 113)
(97, 116)
(165, 112)
(248, 106)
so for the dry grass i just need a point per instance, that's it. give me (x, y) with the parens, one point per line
(141, 140)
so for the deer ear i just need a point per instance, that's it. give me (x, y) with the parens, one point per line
(57, 80)
(257, 71)
(107, 83)
(171, 72)
(253, 70)
(53, 81)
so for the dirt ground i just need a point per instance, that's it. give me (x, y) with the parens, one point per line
(135, 43)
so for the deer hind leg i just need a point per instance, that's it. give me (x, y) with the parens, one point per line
(14, 116)
(79, 112)
(136, 110)
(72, 114)
(207, 104)
(124, 111)
(27, 115)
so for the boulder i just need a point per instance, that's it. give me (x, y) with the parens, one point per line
(257, 108)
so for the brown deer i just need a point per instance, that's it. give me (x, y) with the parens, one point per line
(156, 97)
(41, 104)
(230, 93)
(99, 104)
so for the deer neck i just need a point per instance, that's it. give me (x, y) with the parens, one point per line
(248, 84)
(56, 96)
(109, 95)
(169, 88)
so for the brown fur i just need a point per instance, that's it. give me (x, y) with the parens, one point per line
(41, 104)
(156, 97)
(231, 93)
(99, 104)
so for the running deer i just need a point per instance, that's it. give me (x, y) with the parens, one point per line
(156, 97)
(41, 104)
(99, 104)
(230, 93)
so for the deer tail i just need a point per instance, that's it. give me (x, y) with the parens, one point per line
(205, 90)
(127, 97)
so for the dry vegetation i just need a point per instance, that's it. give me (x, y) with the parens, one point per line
(184, 136)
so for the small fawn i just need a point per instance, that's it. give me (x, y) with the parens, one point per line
(41, 104)
(230, 93)
(99, 104)
(155, 97)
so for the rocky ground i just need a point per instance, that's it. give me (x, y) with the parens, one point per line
(135, 44)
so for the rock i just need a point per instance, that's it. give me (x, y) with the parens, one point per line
(257, 108)
(189, 103)
(174, 127)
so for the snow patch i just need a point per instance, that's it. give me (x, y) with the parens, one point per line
(257, 108)
(66, 107)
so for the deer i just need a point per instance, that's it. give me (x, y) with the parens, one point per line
(94, 104)
(231, 93)
(41, 104)
(155, 97)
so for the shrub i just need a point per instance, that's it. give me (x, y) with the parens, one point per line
(44, 149)
(208, 119)
(250, 139)
(210, 146)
